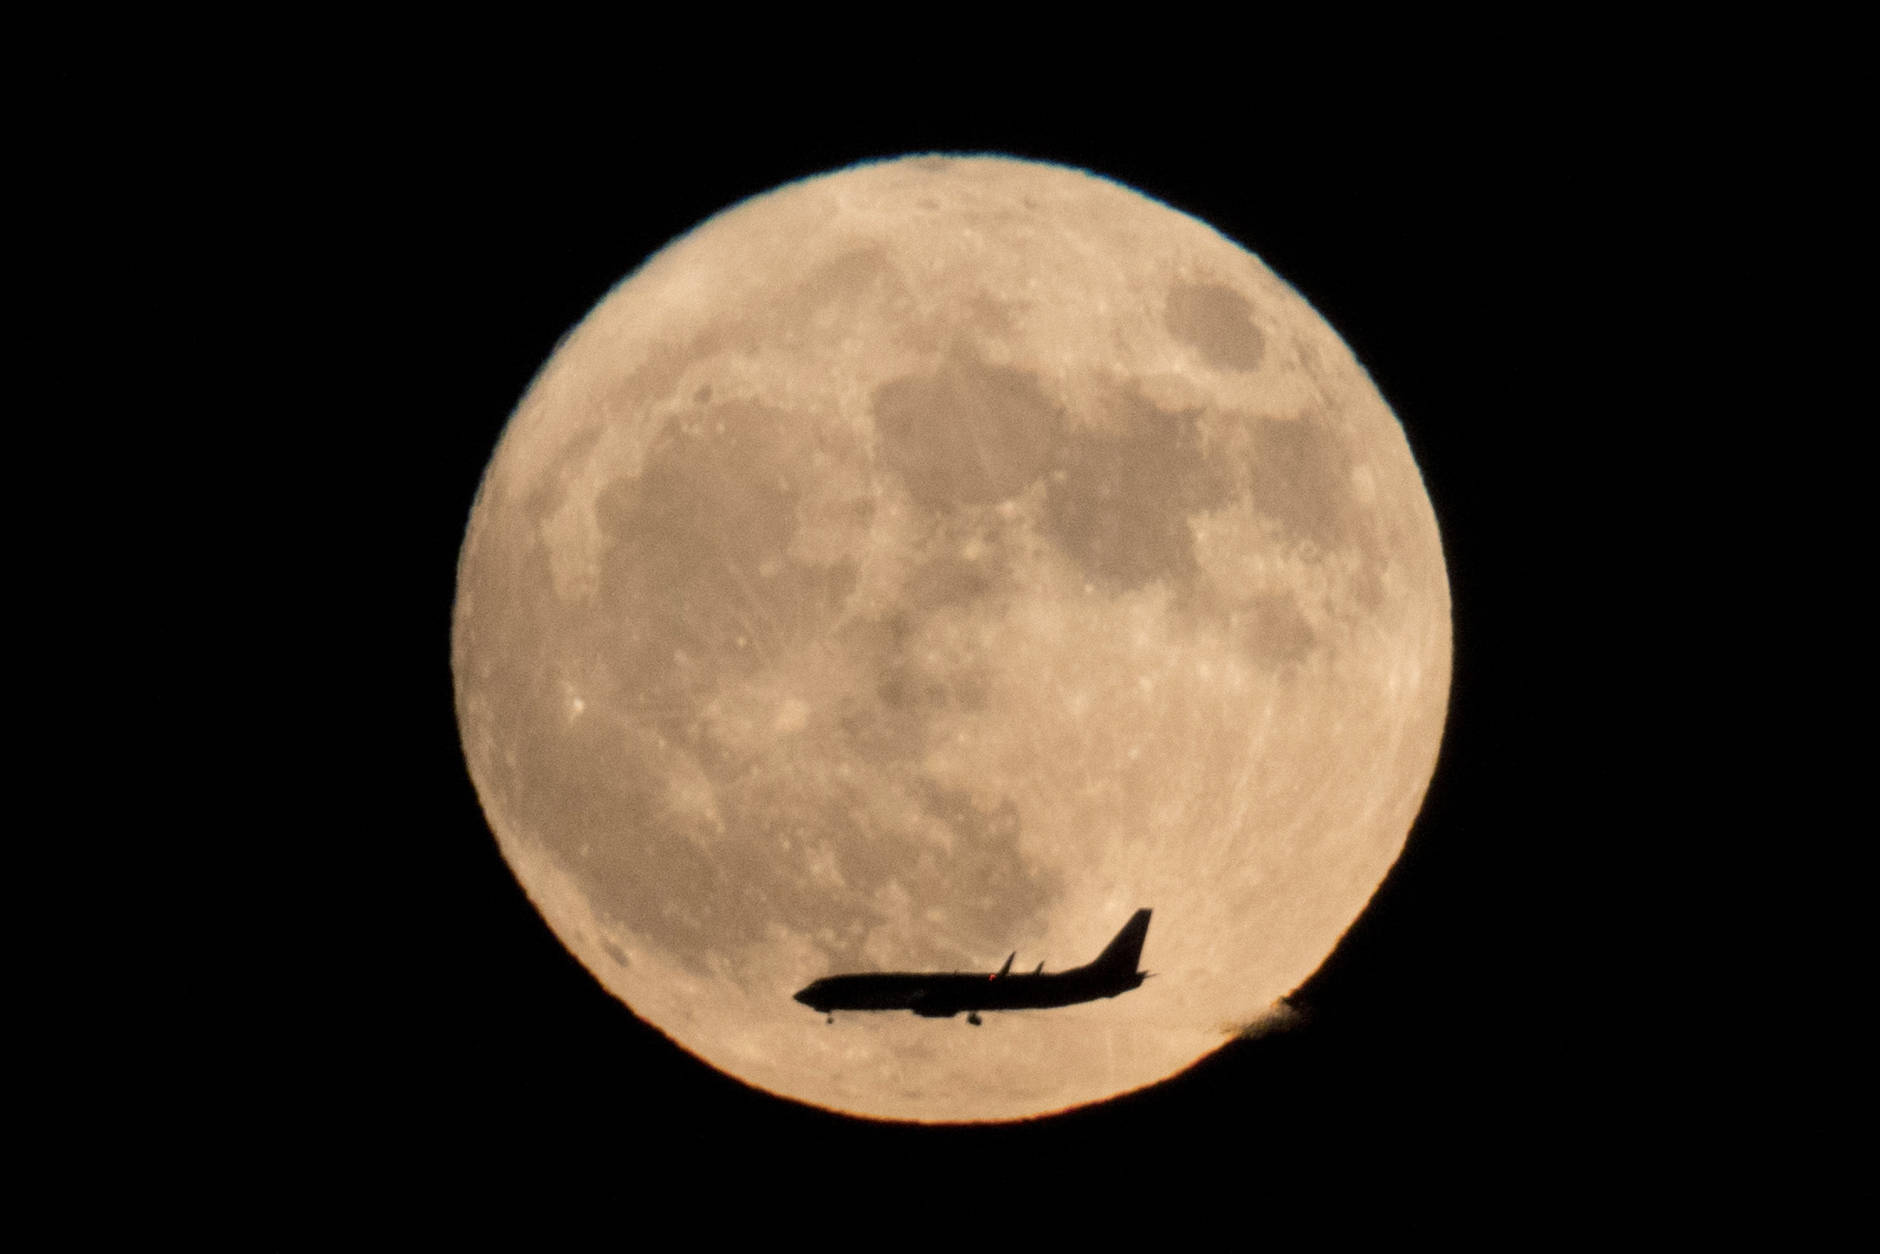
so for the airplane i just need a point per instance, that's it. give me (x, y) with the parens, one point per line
(943, 996)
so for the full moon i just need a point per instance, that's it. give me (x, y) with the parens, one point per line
(934, 559)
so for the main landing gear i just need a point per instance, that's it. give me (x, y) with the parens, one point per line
(972, 1017)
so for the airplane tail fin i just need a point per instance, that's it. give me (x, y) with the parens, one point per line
(1120, 956)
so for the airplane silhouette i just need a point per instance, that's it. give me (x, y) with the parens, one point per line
(943, 996)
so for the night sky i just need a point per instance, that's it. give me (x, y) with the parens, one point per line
(450, 1019)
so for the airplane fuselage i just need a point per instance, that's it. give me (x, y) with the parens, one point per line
(941, 996)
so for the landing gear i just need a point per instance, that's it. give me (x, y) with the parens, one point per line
(831, 1018)
(972, 1017)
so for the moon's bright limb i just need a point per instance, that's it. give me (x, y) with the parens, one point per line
(932, 559)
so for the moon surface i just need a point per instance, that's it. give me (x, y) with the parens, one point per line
(937, 558)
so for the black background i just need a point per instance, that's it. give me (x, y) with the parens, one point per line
(1449, 246)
